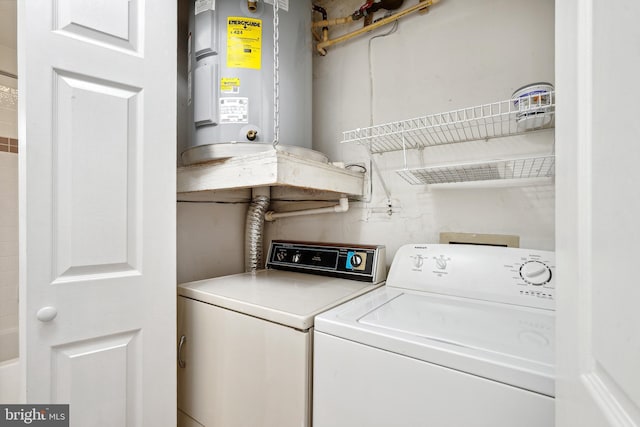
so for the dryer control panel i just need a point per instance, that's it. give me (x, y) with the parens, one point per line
(365, 263)
(509, 275)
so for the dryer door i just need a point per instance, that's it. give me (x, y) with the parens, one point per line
(238, 370)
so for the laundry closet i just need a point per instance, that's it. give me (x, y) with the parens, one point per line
(458, 55)
(437, 128)
(457, 59)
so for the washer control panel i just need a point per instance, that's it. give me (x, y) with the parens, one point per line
(357, 262)
(509, 275)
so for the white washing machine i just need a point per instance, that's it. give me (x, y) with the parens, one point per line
(460, 336)
(246, 340)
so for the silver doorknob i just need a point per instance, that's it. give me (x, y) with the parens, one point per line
(47, 314)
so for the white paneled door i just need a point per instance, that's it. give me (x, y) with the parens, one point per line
(598, 213)
(97, 87)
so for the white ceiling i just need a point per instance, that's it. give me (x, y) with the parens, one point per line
(8, 20)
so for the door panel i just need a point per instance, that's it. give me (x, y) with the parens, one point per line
(116, 385)
(97, 198)
(85, 146)
(616, 199)
(110, 18)
(598, 205)
(114, 24)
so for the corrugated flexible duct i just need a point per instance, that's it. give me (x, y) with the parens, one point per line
(254, 229)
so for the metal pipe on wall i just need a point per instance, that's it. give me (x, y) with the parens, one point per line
(342, 206)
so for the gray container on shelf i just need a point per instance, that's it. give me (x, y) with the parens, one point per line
(535, 104)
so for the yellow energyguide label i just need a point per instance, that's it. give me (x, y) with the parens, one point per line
(244, 42)
(230, 85)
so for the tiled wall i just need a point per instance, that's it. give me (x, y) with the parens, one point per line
(8, 250)
(8, 145)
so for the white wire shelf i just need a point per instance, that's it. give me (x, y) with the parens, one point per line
(495, 120)
(521, 168)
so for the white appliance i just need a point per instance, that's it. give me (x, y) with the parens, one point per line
(245, 350)
(460, 335)
(230, 77)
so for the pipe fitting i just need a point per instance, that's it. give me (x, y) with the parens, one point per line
(342, 206)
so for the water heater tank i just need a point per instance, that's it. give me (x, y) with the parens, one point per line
(231, 76)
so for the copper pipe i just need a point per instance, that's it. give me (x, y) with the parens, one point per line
(332, 22)
(316, 36)
(324, 37)
(421, 6)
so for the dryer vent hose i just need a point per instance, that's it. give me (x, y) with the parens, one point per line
(254, 230)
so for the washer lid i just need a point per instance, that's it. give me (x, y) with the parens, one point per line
(289, 298)
(506, 343)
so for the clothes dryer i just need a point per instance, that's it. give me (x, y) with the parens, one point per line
(246, 340)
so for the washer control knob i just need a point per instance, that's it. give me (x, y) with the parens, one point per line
(535, 273)
(418, 260)
(441, 263)
(356, 260)
(296, 257)
(281, 255)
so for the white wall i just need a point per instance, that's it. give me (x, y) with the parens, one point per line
(8, 60)
(210, 240)
(462, 53)
(8, 36)
(8, 254)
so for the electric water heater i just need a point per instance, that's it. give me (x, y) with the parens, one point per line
(231, 72)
